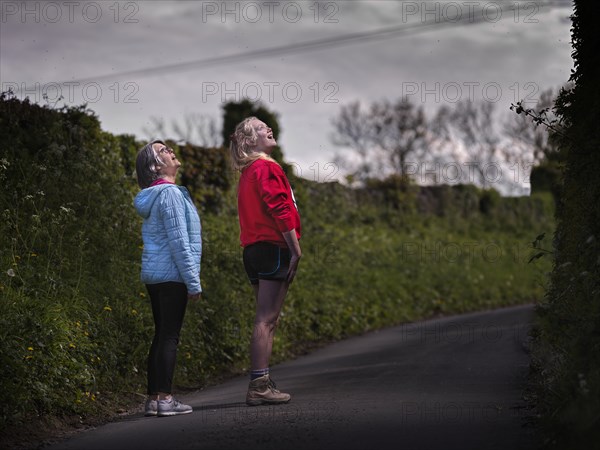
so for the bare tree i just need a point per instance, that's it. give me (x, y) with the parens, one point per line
(440, 157)
(400, 133)
(385, 137)
(156, 128)
(198, 129)
(353, 129)
(474, 127)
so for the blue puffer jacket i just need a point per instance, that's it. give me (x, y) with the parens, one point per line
(172, 236)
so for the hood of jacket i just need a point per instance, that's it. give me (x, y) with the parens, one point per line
(146, 197)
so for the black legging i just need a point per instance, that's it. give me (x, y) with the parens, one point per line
(169, 301)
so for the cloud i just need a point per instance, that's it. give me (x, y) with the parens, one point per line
(305, 88)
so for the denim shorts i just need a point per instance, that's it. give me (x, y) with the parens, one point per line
(266, 261)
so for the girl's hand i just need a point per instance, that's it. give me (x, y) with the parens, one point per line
(294, 260)
(294, 246)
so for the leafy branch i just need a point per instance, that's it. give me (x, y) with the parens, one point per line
(540, 251)
(539, 118)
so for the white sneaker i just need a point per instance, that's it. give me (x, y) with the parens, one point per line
(151, 408)
(172, 407)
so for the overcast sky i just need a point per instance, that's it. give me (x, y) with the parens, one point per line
(447, 51)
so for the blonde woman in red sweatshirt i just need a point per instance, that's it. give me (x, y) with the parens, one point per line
(269, 232)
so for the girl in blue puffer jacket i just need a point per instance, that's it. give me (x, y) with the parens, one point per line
(171, 232)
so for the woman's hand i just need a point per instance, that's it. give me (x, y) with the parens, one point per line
(292, 242)
(194, 297)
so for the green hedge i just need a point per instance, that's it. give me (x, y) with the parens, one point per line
(566, 354)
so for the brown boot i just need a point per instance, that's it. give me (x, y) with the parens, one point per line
(263, 391)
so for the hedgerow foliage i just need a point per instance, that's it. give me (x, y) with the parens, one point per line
(567, 355)
(75, 323)
(69, 238)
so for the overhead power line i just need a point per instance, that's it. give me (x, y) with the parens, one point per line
(318, 44)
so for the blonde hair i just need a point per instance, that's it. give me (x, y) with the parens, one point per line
(241, 142)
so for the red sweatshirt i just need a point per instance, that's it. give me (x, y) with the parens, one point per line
(266, 204)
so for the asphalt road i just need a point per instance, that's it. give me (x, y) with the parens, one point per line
(451, 383)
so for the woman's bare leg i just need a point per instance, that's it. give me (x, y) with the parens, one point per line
(269, 300)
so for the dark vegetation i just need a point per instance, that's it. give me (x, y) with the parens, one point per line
(566, 357)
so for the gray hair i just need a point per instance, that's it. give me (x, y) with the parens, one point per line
(147, 164)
